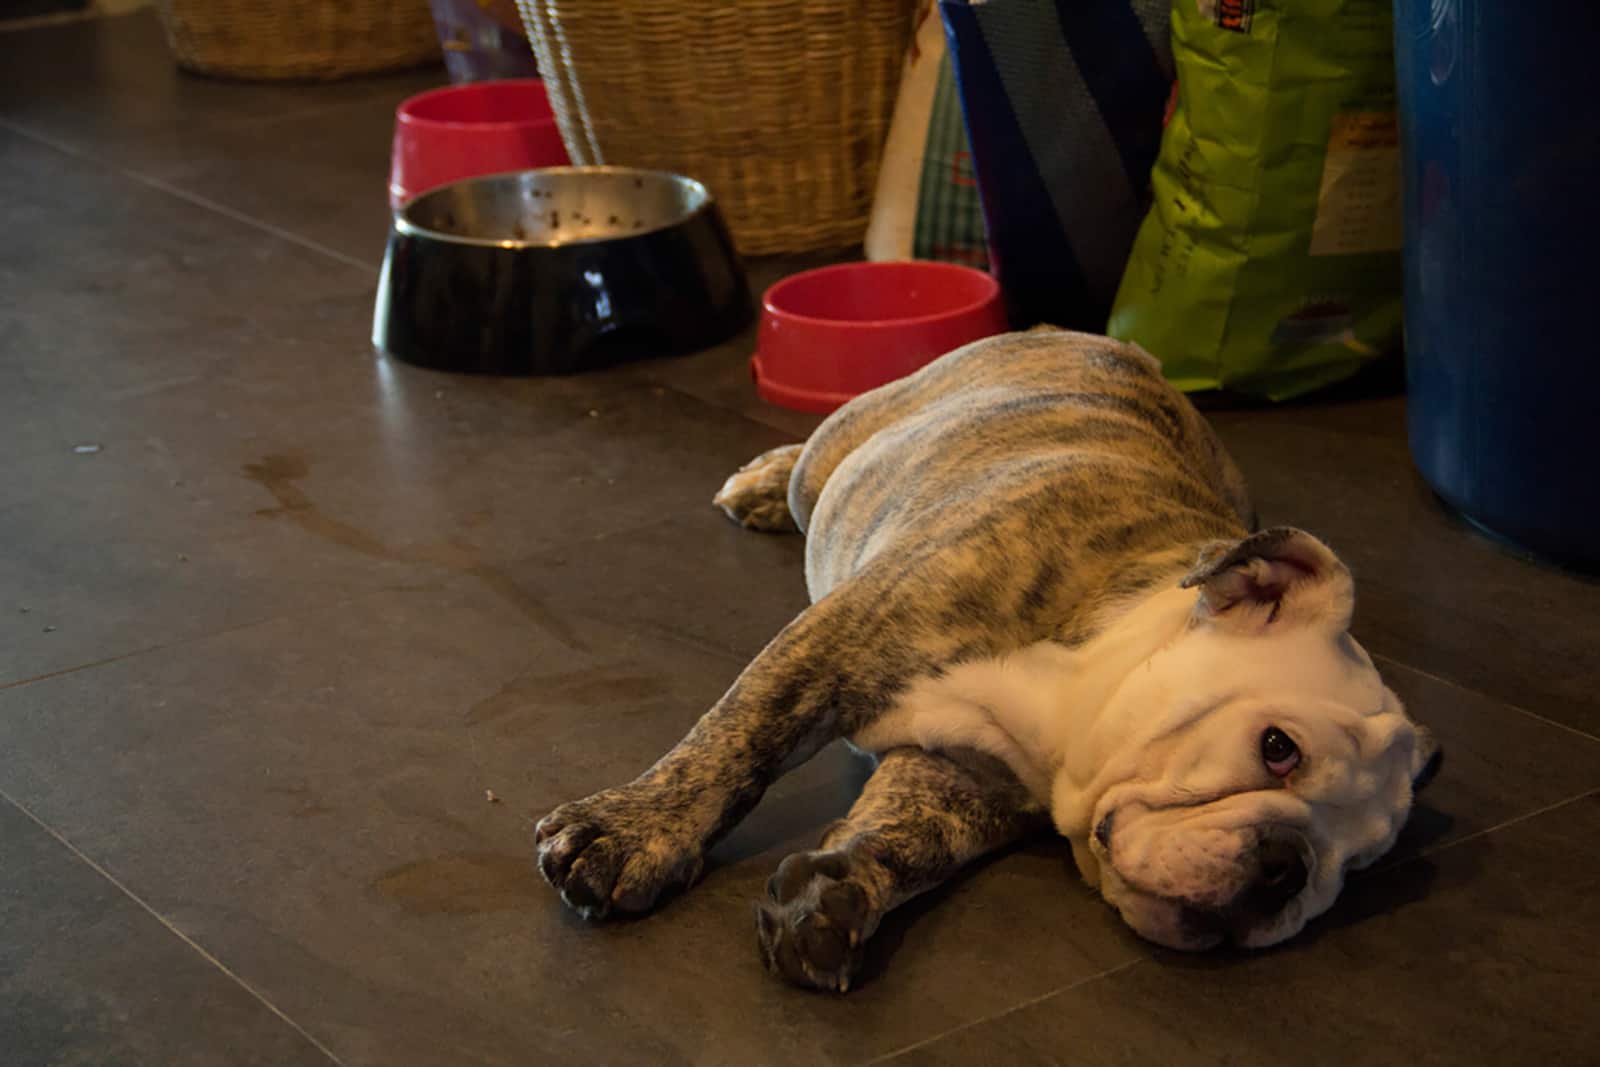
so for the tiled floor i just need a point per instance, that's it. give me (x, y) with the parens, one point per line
(264, 652)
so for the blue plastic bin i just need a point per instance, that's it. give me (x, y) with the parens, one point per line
(1501, 147)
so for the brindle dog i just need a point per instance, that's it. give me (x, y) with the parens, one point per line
(1009, 613)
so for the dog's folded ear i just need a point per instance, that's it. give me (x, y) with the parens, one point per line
(1278, 576)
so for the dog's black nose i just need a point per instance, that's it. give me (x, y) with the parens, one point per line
(1281, 876)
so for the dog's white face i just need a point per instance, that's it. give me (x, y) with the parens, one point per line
(1258, 757)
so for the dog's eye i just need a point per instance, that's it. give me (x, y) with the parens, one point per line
(1279, 752)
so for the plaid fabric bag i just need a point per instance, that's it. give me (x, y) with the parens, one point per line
(1064, 101)
(926, 204)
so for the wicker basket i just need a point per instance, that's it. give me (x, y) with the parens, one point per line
(779, 107)
(298, 38)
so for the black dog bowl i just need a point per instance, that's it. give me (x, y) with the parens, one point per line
(558, 270)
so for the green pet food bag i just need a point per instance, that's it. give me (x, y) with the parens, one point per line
(1269, 262)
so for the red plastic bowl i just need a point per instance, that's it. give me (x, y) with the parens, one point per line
(830, 334)
(464, 131)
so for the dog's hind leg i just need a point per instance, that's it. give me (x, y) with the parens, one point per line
(767, 494)
(922, 816)
(757, 495)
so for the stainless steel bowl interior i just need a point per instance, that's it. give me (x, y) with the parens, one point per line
(554, 206)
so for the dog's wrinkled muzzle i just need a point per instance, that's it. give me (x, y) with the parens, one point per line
(1254, 911)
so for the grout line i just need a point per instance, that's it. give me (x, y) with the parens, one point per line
(1513, 821)
(1392, 864)
(1506, 824)
(20, 682)
(194, 198)
(189, 639)
(164, 921)
(887, 1056)
(249, 220)
(1464, 688)
(553, 548)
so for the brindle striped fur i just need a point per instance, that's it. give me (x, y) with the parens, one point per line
(1003, 496)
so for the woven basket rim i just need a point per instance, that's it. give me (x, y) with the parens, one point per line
(793, 158)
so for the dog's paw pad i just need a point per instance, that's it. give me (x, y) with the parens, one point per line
(813, 926)
(613, 851)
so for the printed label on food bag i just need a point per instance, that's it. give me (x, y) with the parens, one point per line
(1235, 15)
(1358, 206)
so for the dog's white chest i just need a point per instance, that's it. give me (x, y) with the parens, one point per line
(1017, 708)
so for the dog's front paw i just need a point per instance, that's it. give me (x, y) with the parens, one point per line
(816, 919)
(615, 850)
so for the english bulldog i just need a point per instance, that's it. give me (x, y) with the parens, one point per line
(1036, 600)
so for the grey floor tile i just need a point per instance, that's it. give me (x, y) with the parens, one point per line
(305, 159)
(87, 976)
(1478, 954)
(1431, 591)
(721, 375)
(261, 170)
(187, 526)
(112, 293)
(140, 375)
(696, 577)
(126, 102)
(251, 455)
(307, 800)
(1499, 764)
(501, 470)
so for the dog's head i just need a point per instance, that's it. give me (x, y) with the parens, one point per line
(1250, 762)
